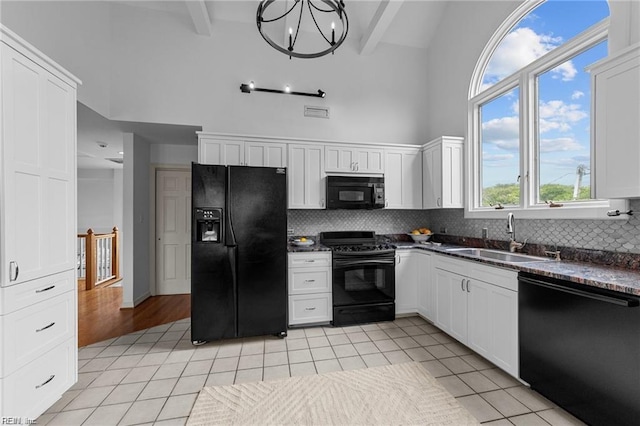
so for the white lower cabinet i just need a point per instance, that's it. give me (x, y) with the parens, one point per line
(426, 286)
(477, 304)
(407, 266)
(310, 292)
(34, 388)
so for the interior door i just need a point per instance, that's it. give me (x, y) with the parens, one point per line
(173, 232)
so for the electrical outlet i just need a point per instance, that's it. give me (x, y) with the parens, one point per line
(485, 233)
(290, 232)
(443, 229)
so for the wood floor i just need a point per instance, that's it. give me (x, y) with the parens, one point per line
(100, 316)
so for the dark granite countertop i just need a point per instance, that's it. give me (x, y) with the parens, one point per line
(623, 280)
(293, 248)
(592, 269)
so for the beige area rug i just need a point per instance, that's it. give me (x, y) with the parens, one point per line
(393, 394)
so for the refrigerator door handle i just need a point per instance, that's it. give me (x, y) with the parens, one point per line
(230, 240)
(234, 279)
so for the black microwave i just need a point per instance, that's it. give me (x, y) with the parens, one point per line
(355, 192)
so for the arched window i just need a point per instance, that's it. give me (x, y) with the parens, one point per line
(530, 109)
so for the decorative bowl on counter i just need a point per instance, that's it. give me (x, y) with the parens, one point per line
(420, 237)
(303, 242)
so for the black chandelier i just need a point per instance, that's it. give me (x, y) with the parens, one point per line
(330, 7)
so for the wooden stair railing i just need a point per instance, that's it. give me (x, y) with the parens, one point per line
(99, 258)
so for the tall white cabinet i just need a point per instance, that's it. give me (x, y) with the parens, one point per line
(615, 83)
(442, 161)
(403, 178)
(38, 300)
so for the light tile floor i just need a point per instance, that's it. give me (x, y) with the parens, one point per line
(153, 376)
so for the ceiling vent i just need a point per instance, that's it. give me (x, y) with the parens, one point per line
(316, 111)
(116, 160)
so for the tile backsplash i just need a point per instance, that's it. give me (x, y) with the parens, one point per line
(312, 222)
(605, 234)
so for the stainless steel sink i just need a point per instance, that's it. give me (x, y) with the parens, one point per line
(502, 256)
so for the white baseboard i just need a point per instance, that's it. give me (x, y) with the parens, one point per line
(139, 300)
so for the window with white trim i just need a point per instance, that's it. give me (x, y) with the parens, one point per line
(530, 113)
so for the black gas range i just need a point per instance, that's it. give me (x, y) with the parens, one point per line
(363, 277)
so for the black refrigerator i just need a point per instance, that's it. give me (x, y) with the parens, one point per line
(238, 252)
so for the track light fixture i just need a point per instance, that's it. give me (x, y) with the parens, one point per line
(321, 12)
(251, 87)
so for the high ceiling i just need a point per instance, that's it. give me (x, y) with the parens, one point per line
(370, 22)
(391, 21)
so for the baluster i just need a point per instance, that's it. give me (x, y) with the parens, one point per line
(115, 254)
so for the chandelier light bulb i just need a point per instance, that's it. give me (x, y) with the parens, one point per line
(287, 89)
(252, 85)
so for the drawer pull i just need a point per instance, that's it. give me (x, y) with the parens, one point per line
(46, 381)
(45, 327)
(310, 261)
(310, 309)
(42, 290)
(309, 281)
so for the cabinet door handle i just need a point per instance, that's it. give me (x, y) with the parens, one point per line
(468, 282)
(14, 270)
(46, 381)
(397, 259)
(310, 309)
(45, 327)
(322, 203)
(438, 202)
(386, 203)
(42, 290)
(357, 166)
(462, 284)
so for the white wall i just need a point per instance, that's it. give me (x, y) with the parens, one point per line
(625, 24)
(96, 196)
(453, 54)
(136, 220)
(76, 34)
(173, 154)
(147, 65)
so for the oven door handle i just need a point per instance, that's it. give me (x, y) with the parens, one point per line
(339, 263)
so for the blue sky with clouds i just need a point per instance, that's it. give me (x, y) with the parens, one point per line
(564, 94)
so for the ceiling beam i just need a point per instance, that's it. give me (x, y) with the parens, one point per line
(379, 24)
(200, 16)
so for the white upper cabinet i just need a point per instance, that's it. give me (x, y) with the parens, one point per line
(216, 151)
(305, 172)
(615, 83)
(353, 159)
(403, 178)
(442, 171)
(38, 170)
(241, 153)
(265, 154)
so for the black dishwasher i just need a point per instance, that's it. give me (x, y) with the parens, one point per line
(580, 347)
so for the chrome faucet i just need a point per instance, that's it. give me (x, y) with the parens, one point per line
(511, 229)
